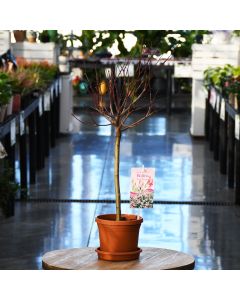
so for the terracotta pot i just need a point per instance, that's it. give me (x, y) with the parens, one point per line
(20, 35)
(16, 103)
(118, 239)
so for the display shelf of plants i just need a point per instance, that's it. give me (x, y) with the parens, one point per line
(20, 89)
(222, 121)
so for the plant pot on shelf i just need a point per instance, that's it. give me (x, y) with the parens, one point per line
(3, 110)
(16, 103)
(31, 36)
(20, 35)
(118, 239)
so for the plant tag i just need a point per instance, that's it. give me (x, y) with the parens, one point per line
(56, 88)
(222, 110)
(121, 70)
(52, 92)
(218, 101)
(3, 152)
(13, 132)
(21, 123)
(47, 97)
(40, 106)
(213, 97)
(237, 127)
(142, 187)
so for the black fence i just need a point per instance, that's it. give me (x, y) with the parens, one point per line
(30, 134)
(222, 130)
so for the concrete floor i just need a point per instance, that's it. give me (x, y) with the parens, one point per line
(81, 167)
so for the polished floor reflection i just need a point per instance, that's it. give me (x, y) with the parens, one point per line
(209, 233)
(81, 167)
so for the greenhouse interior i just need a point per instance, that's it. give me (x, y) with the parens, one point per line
(106, 131)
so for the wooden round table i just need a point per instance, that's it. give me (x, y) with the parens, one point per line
(87, 259)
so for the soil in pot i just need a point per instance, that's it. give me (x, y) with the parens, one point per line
(118, 239)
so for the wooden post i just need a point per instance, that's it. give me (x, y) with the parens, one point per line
(116, 173)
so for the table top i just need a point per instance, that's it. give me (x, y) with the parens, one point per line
(87, 259)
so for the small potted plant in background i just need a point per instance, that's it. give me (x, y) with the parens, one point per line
(5, 94)
(20, 35)
(31, 36)
(119, 232)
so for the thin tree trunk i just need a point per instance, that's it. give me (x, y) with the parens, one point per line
(116, 173)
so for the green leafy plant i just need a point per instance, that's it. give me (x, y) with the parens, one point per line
(5, 89)
(226, 79)
(236, 33)
(217, 76)
(47, 36)
(32, 76)
(179, 42)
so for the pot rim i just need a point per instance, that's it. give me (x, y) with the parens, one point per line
(110, 219)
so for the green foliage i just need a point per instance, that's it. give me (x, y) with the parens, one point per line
(217, 76)
(236, 33)
(5, 89)
(47, 36)
(226, 79)
(179, 43)
(32, 76)
(8, 188)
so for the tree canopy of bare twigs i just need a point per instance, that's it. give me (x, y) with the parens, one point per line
(126, 94)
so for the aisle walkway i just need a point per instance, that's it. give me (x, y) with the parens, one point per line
(80, 167)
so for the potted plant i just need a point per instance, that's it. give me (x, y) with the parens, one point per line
(30, 77)
(20, 35)
(8, 190)
(119, 232)
(31, 36)
(5, 94)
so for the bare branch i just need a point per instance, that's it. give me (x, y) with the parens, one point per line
(134, 124)
(90, 124)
